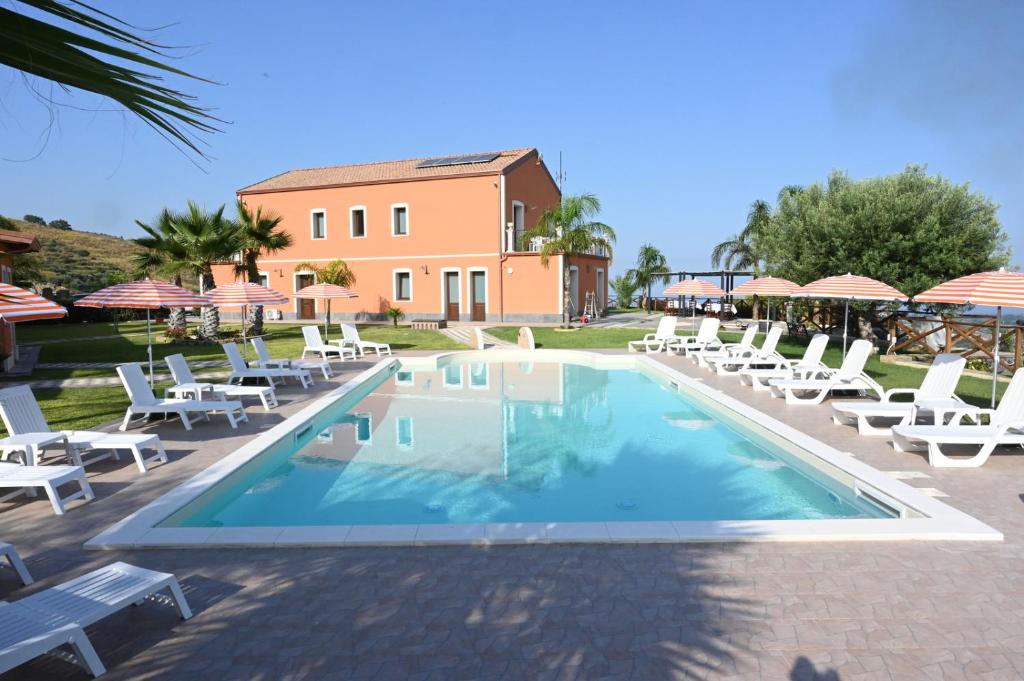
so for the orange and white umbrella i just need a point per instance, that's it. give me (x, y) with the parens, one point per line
(243, 294)
(849, 287)
(766, 287)
(326, 292)
(145, 294)
(999, 289)
(19, 305)
(696, 288)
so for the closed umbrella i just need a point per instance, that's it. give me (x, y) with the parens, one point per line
(999, 289)
(327, 292)
(849, 287)
(147, 295)
(766, 287)
(243, 294)
(698, 288)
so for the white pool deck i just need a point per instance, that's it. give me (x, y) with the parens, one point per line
(923, 517)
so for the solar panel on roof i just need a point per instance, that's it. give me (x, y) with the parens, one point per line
(456, 160)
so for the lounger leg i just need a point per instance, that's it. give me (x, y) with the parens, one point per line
(819, 397)
(939, 460)
(19, 567)
(127, 420)
(137, 455)
(185, 420)
(179, 599)
(55, 500)
(85, 653)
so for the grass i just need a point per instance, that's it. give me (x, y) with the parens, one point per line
(972, 389)
(48, 332)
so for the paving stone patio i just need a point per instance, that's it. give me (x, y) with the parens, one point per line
(808, 611)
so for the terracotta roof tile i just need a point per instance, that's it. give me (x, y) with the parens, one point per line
(384, 171)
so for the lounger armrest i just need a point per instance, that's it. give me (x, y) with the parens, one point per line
(1009, 425)
(650, 337)
(889, 394)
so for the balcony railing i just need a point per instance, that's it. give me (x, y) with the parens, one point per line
(535, 245)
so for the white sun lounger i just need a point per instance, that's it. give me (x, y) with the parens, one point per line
(31, 435)
(745, 359)
(706, 339)
(186, 385)
(74, 605)
(655, 342)
(240, 371)
(1005, 428)
(935, 396)
(807, 367)
(745, 344)
(17, 564)
(25, 479)
(265, 361)
(849, 376)
(315, 344)
(144, 402)
(350, 338)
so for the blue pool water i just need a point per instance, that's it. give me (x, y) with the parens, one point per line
(517, 442)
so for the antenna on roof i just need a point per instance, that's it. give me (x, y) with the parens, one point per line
(561, 173)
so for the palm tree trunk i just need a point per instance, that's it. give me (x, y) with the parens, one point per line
(255, 320)
(566, 280)
(177, 319)
(211, 315)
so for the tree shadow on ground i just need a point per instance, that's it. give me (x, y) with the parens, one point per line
(804, 670)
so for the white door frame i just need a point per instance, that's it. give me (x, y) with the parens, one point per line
(458, 289)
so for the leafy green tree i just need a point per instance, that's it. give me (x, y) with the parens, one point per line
(395, 313)
(625, 289)
(259, 233)
(61, 224)
(740, 251)
(651, 268)
(34, 219)
(570, 230)
(164, 257)
(335, 272)
(8, 224)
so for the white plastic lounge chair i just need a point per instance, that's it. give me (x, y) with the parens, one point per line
(1005, 428)
(7, 551)
(477, 337)
(31, 435)
(655, 342)
(706, 339)
(24, 638)
(350, 338)
(526, 338)
(241, 371)
(745, 359)
(849, 376)
(935, 396)
(265, 361)
(80, 603)
(187, 386)
(50, 478)
(315, 344)
(745, 345)
(807, 367)
(144, 402)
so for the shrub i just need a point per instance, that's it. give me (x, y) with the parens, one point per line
(60, 224)
(395, 313)
(7, 223)
(34, 219)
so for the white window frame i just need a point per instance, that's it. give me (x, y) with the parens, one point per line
(444, 299)
(262, 273)
(575, 303)
(352, 224)
(517, 204)
(469, 291)
(295, 289)
(408, 222)
(312, 232)
(601, 277)
(398, 432)
(394, 284)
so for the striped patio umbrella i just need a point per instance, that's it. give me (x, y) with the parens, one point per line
(243, 294)
(999, 289)
(326, 292)
(148, 295)
(697, 288)
(766, 287)
(19, 305)
(849, 287)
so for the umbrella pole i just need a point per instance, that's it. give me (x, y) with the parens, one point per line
(245, 315)
(327, 321)
(846, 319)
(149, 347)
(995, 355)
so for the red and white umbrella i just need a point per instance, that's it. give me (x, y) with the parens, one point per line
(326, 292)
(697, 288)
(849, 287)
(243, 294)
(766, 287)
(19, 305)
(148, 295)
(999, 289)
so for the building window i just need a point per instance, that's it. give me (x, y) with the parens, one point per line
(264, 279)
(400, 219)
(403, 285)
(364, 428)
(357, 221)
(318, 224)
(518, 225)
(403, 432)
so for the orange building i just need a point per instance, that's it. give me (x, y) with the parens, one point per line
(11, 244)
(441, 238)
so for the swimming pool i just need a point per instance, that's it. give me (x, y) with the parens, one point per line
(533, 446)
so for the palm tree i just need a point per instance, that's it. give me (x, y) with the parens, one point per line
(163, 256)
(205, 238)
(739, 252)
(259, 234)
(625, 288)
(651, 267)
(99, 53)
(335, 272)
(570, 231)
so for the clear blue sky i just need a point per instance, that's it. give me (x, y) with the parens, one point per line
(677, 115)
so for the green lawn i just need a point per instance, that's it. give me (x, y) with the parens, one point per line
(972, 389)
(44, 332)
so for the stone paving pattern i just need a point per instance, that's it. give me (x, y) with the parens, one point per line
(804, 611)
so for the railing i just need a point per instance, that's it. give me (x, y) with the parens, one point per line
(971, 336)
(537, 243)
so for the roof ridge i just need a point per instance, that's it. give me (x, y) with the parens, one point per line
(400, 160)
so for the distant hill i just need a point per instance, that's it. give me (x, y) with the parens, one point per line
(80, 261)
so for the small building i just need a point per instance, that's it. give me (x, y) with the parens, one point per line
(441, 238)
(12, 244)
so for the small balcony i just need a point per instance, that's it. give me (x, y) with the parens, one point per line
(535, 244)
